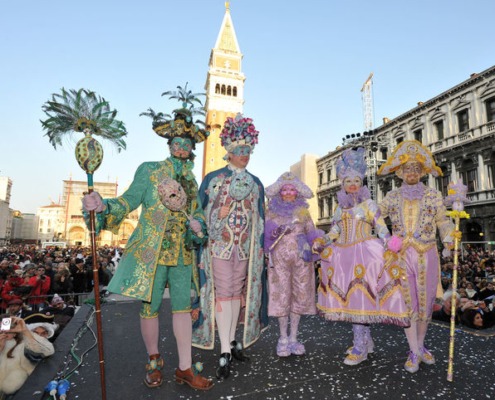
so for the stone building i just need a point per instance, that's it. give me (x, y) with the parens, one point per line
(6, 213)
(458, 127)
(73, 229)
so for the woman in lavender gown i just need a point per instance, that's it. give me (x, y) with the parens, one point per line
(356, 284)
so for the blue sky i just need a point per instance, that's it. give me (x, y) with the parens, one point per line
(305, 63)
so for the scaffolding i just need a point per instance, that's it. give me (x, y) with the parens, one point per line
(370, 143)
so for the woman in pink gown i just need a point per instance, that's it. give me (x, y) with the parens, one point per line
(356, 284)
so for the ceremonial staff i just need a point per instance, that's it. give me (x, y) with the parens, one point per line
(84, 111)
(456, 198)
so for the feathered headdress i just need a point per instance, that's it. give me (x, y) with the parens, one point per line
(409, 151)
(182, 124)
(352, 163)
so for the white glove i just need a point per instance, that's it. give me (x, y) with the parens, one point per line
(446, 252)
(93, 202)
(195, 225)
(317, 247)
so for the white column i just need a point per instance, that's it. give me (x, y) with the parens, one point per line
(453, 174)
(483, 173)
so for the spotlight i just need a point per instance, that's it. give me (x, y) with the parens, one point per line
(358, 134)
(353, 135)
(348, 136)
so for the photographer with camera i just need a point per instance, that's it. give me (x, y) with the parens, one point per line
(40, 284)
(477, 315)
(20, 350)
(11, 289)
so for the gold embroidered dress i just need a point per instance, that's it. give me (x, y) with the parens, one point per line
(350, 288)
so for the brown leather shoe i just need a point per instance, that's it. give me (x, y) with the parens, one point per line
(153, 376)
(195, 381)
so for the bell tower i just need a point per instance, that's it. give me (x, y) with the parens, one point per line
(224, 90)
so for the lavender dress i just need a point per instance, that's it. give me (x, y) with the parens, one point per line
(354, 284)
(291, 273)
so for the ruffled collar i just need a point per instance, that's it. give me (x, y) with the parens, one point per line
(286, 208)
(413, 192)
(349, 200)
(235, 170)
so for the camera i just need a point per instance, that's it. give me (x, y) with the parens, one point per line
(6, 322)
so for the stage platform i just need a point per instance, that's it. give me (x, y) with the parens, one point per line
(320, 374)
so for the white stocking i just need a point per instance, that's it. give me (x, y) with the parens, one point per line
(236, 310)
(283, 323)
(150, 332)
(412, 337)
(182, 325)
(294, 326)
(224, 323)
(422, 328)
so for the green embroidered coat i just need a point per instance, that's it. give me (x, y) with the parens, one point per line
(161, 234)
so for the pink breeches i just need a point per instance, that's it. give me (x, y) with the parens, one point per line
(229, 277)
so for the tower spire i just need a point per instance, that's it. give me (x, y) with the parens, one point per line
(224, 90)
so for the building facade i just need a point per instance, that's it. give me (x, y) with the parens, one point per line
(73, 230)
(24, 228)
(6, 213)
(51, 222)
(224, 91)
(458, 127)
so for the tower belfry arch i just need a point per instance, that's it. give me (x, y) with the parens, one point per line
(224, 90)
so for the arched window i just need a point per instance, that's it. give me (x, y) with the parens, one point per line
(217, 88)
(234, 91)
(223, 89)
(469, 174)
(229, 90)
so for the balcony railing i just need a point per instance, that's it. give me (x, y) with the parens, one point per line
(461, 137)
(481, 196)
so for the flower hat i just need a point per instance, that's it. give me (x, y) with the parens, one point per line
(238, 131)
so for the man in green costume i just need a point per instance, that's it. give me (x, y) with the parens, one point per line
(161, 249)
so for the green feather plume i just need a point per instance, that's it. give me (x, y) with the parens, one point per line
(81, 111)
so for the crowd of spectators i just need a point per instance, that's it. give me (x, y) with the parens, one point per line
(40, 290)
(475, 289)
(35, 275)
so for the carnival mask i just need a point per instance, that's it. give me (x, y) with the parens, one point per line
(241, 185)
(352, 184)
(242, 150)
(181, 147)
(288, 193)
(172, 194)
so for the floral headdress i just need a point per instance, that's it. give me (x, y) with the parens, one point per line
(409, 151)
(351, 164)
(238, 131)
